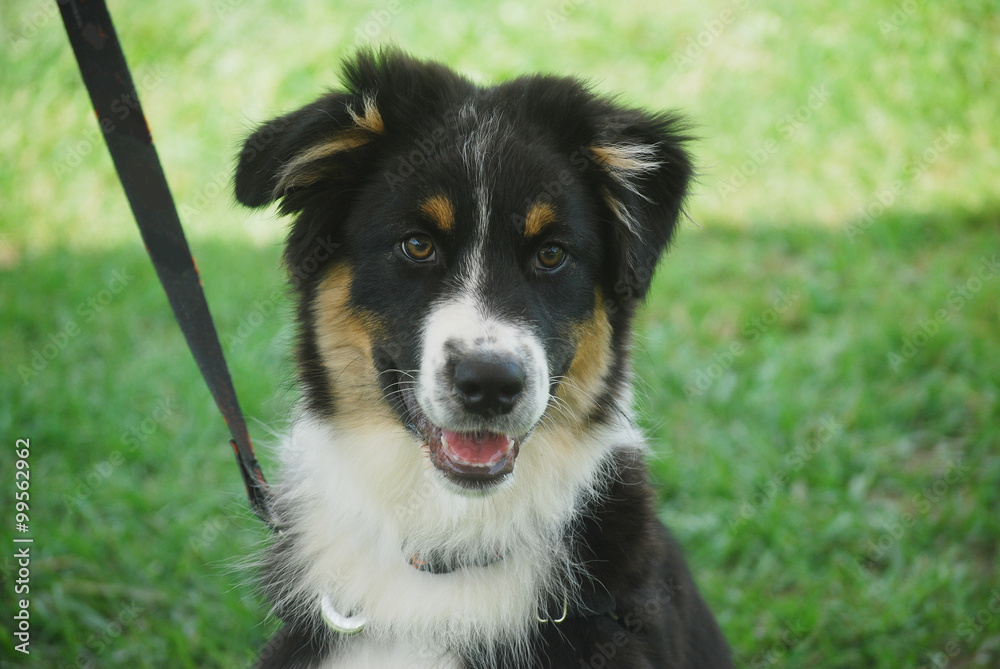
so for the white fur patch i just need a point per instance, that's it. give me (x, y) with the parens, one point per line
(358, 503)
(363, 653)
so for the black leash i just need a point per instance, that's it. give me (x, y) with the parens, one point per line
(109, 83)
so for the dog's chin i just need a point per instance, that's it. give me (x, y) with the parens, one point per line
(471, 462)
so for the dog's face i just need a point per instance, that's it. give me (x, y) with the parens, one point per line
(467, 260)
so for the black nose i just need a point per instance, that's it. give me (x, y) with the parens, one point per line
(488, 385)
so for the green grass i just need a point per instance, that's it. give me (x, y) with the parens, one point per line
(818, 366)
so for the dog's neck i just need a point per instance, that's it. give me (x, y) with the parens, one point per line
(358, 504)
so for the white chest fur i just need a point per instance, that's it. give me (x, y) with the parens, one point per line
(359, 502)
(363, 653)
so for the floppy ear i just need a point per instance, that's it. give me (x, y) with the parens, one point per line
(315, 159)
(334, 142)
(643, 175)
(293, 152)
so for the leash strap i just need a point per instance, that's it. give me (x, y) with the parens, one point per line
(106, 75)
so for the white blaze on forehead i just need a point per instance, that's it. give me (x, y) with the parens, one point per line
(483, 135)
(473, 269)
(462, 326)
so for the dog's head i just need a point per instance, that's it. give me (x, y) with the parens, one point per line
(467, 259)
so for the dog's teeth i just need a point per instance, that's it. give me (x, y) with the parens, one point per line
(481, 450)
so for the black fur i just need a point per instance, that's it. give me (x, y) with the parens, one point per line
(354, 204)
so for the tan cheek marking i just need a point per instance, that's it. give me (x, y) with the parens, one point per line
(540, 215)
(585, 379)
(344, 338)
(440, 210)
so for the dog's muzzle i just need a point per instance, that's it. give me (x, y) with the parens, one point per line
(481, 389)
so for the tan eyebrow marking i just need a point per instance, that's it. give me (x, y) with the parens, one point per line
(539, 215)
(440, 210)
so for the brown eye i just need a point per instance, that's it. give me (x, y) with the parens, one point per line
(550, 257)
(418, 248)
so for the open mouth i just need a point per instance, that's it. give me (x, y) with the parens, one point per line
(481, 457)
(470, 459)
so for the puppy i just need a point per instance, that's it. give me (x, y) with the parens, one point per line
(464, 484)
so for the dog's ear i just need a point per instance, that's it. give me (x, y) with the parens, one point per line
(643, 172)
(294, 151)
(315, 160)
(336, 140)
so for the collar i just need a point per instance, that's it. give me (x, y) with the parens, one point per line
(437, 564)
(594, 599)
(593, 602)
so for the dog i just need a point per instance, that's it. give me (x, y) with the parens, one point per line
(463, 483)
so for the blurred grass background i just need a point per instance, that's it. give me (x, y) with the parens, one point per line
(818, 359)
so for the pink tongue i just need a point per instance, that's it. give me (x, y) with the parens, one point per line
(482, 448)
